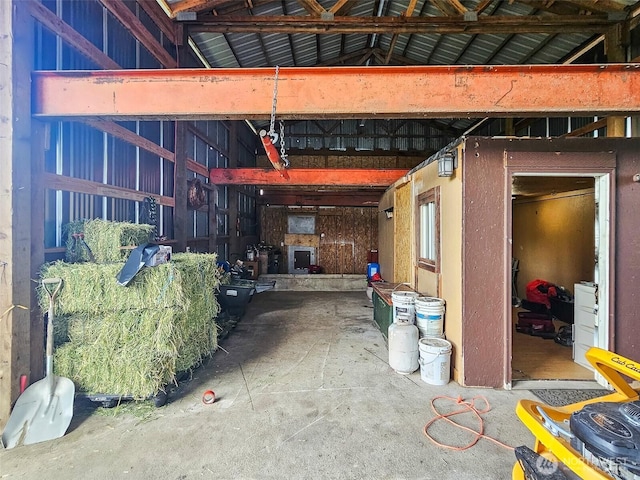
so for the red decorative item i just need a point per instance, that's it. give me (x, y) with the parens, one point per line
(273, 155)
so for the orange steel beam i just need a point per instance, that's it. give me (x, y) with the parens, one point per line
(355, 177)
(341, 92)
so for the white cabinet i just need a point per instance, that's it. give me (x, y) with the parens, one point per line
(585, 322)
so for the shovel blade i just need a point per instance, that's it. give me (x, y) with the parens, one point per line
(40, 415)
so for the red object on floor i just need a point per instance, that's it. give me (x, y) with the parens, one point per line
(376, 277)
(539, 291)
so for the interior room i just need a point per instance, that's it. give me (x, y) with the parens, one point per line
(553, 240)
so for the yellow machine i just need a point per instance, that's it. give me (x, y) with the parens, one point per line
(576, 441)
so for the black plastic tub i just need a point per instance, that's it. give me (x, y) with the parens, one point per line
(235, 296)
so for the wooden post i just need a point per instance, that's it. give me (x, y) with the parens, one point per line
(235, 235)
(509, 127)
(40, 143)
(180, 173)
(616, 40)
(16, 63)
(180, 188)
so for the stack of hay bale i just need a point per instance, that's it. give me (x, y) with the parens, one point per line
(131, 341)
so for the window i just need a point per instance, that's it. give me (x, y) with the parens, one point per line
(429, 230)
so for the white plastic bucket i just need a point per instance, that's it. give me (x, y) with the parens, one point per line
(403, 347)
(422, 334)
(429, 313)
(435, 360)
(404, 306)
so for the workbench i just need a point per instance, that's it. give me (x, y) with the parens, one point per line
(383, 303)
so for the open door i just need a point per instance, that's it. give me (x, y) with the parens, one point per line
(545, 224)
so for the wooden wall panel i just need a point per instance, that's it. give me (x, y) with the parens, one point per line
(403, 219)
(326, 226)
(346, 235)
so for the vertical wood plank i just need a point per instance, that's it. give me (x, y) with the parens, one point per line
(16, 57)
(234, 233)
(40, 138)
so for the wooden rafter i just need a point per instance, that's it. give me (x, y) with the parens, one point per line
(196, 5)
(342, 7)
(56, 25)
(155, 12)
(574, 7)
(425, 25)
(312, 6)
(132, 23)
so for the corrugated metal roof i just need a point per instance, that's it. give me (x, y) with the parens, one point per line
(301, 49)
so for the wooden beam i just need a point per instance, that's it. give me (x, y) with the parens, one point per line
(79, 185)
(355, 177)
(341, 92)
(16, 287)
(132, 23)
(71, 37)
(339, 7)
(128, 136)
(337, 199)
(587, 128)
(312, 6)
(159, 17)
(198, 168)
(195, 5)
(428, 25)
(595, 6)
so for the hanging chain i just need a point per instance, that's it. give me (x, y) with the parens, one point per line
(272, 125)
(283, 153)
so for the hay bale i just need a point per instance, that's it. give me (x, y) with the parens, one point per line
(92, 288)
(125, 353)
(105, 239)
(133, 340)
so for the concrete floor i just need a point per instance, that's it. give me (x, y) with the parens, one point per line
(303, 391)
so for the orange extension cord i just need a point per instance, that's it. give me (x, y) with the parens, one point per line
(467, 406)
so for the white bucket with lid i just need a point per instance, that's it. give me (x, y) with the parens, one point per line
(404, 306)
(435, 360)
(429, 313)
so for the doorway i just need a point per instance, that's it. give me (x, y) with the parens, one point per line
(555, 230)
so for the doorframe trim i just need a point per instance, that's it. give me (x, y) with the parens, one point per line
(553, 164)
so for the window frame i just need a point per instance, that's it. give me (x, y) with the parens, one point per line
(430, 196)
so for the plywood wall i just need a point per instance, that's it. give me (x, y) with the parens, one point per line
(403, 234)
(553, 238)
(386, 250)
(346, 234)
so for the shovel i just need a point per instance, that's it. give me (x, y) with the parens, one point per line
(44, 410)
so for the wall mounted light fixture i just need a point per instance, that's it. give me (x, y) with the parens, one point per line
(447, 163)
